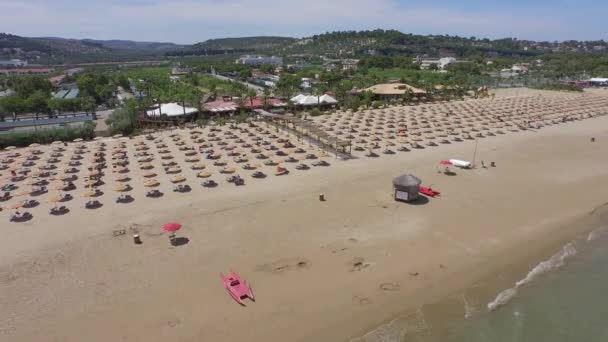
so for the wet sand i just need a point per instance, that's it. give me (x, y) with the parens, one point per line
(320, 271)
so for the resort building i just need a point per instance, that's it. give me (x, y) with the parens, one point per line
(260, 60)
(38, 71)
(171, 110)
(391, 91)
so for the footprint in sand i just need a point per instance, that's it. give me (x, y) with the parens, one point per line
(358, 264)
(284, 265)
(173, 322)
(362, 300)
(390, 286)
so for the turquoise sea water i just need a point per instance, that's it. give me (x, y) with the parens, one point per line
(566, 302)
(561, 299)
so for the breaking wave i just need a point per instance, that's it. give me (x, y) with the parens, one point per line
(553, 263)
(596, 234)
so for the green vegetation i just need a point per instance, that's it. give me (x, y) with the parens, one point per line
(46, 136)
(124, 120)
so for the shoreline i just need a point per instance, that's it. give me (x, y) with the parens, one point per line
(455, 307)
(344, 266)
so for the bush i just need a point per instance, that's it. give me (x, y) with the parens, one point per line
(46, 136)
(315, 112)
(124, 120)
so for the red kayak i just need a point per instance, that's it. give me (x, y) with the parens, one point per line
(429, 192)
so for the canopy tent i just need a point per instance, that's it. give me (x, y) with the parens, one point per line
(406, 187)
(311, 100)
(172, 110)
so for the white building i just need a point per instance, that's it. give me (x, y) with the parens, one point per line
(311, 100)
(13, 63)
(260, 60)
(171, 110)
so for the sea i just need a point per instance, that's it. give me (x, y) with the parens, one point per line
(563, 298)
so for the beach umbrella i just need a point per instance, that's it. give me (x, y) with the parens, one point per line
(120, 187)
(151, 183)
(23, 192)
(204, 174)
(94, 173)
(77, 140)
(177, 179)
(34, 145)
(148, 174)
(89, 193)
(55, 199)
(171, 227)
(10, 148)
(121, 178)
(15, 205)
(56, 142)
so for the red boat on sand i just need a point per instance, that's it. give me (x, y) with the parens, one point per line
(237, 287)
(429, 191)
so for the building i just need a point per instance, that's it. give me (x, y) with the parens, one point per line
(73, 71)
(260, 60)
(7, 93)
(390, 91)
(349, 64)
(67, 94)
(441, 63)
(599, 82)
(171, 110)
(20, 72)
(311, 100)
(57, 80)
(15, 63)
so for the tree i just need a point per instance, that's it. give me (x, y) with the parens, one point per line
(38, 103)
(251, 95)
(318, 91)
(366, 99)
(88, 105)
(124, 120)
(12, 105)
(287, 85)
(266, 68)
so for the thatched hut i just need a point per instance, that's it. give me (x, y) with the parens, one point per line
(406, 187)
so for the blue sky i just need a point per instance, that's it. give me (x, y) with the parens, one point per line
(190, 21)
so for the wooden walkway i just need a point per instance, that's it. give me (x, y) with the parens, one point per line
(310, 130)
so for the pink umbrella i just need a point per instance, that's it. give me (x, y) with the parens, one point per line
(445, 162)
(171, 227)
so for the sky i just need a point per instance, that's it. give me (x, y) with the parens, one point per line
(191, 21)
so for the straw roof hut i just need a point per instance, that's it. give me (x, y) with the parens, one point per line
(406, 187)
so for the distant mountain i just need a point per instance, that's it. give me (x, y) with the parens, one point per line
(49, 50)
(233, 45)
(244, 43)
(133, 45)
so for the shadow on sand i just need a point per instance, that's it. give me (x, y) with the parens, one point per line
(180, 241)
(421, 200)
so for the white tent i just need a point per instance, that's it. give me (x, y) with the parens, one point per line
(328, 99)
(311, 100)
(172, 109)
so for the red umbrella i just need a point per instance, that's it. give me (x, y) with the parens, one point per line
(171, 227)
(445, 162)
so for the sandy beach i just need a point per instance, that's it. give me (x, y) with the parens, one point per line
(320, 271)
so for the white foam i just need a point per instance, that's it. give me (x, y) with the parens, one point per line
(468, 309)
(555, 262)
(503, 298)
(595, 234)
